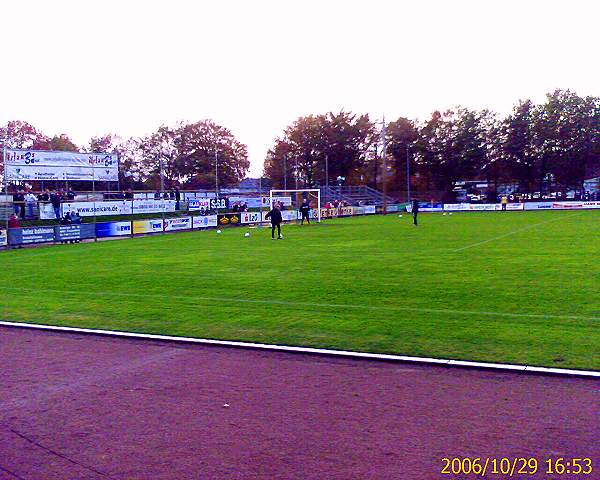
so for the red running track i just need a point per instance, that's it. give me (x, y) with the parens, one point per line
(91, 407)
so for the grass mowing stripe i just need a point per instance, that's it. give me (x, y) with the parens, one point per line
(307, 304)
(513, 232)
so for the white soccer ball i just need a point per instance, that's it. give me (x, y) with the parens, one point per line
(399, 216)
(218, 231)
(450, 213)
(247, 234)
(444, 214)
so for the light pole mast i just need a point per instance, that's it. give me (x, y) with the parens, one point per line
(217, 176)
(384, 155)
(407, 174)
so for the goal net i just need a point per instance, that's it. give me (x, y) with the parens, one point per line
(292, 201)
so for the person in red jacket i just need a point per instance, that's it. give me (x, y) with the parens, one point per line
(13, 222)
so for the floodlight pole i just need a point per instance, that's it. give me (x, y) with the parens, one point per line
(217, 178)
(162, 191)
(384, 154)
(94, 204)
(260, 210)
(407, 175)
(327, 173)
(284, 171)
(6, 186)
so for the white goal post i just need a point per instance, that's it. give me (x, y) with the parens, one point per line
(313, 191)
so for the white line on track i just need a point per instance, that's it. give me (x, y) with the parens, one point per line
(317, 351)
(389, 308)
(528, 227)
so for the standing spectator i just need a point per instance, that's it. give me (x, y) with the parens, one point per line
(276, 219)
(177, 198)
(44, 196)
(504, 201)
(55, 199)
(70, 195)
(30, 201)
(19, 203)
(157, 195)
(129, 194)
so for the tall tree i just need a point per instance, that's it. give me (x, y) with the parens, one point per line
(401, 134)
(517, 157)
(159, 154)
(565, 135)
(60, 142)
(21, 135)
(203, 143)
(339, 141)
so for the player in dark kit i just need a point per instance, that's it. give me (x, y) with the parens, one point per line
(276, 219)
(415, 211)
(304, 210)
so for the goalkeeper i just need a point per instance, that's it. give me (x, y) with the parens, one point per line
(304, 210)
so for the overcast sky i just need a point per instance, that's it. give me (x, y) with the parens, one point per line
(86, 68)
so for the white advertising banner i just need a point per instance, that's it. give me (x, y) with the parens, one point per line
(573, 205)
(46, 211)
(24, 165)
(183, 223)
(153, 206)
(88, 209)
(369, 209)
(3, 240)
(480, 207)
(511, 206)
(106, 207)
(466, 207)
(257, 202)
(204, 222)
(250, 217)
(591, 205)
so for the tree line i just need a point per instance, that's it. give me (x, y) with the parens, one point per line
(186, 153)
(555, 145)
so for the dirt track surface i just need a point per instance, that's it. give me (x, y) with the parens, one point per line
(91, 407)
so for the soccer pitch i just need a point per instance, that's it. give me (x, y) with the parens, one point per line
(513, 287)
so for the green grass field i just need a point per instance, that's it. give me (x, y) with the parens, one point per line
(502, 287)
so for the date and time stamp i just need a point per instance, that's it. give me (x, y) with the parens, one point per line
(518, 468)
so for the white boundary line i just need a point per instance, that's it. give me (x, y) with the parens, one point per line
(388, 308)
(315, 351)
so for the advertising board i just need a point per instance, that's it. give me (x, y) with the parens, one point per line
(113, 229)
(147, 226)
(204, 221)
(182, 223)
